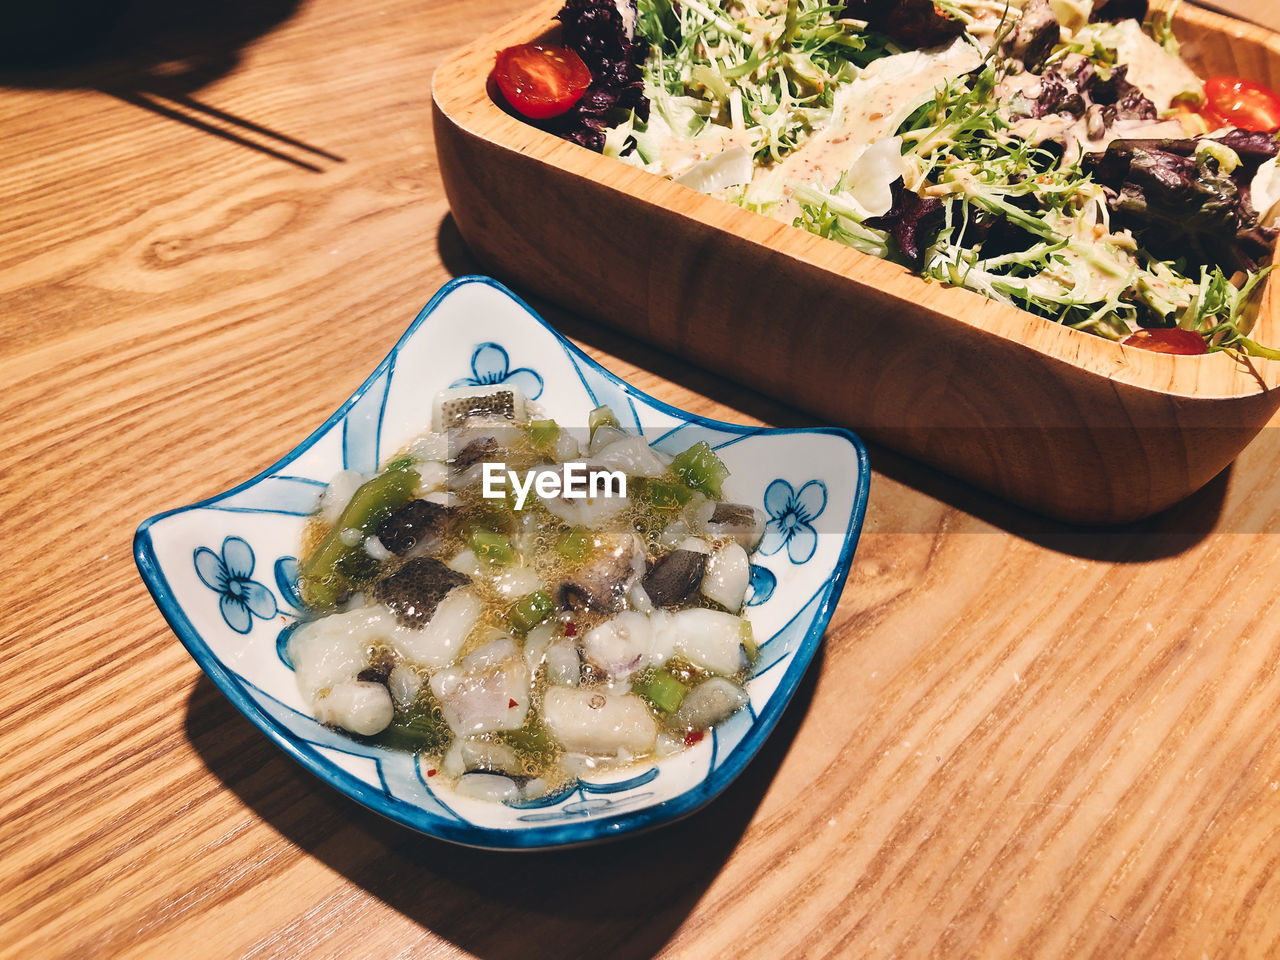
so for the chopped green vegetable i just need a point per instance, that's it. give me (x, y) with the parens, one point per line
(575, 544)
(749, 645)
(492, 547)
(527, 612)
(601, 417)
(495, 514)
(356, 566)
(530, 739)
(402, 463)
(668, 496)
(424, 730)
(543, 434)
(664, 690)
(335, 566)
(701, 469)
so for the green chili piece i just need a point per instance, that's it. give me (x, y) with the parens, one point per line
(664, 690)
(492, 547)
(575, 544)
(327, 573)
(543, 434)
(532, 740)
(527, 612)
(601, 417)
(426, 730)
(402, 463)
(700, 468)
(356, 566)
(497, 514)
(749, 645)
(666, 495)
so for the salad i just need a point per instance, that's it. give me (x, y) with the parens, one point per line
(466, 604)
(1055, 155)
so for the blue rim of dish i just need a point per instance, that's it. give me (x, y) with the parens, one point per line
(576, 833)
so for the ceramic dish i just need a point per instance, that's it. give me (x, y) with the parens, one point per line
(223, 571)
(1060, 421)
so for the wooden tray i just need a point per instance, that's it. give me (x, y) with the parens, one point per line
(1059, 421)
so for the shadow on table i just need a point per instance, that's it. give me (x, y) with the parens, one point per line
(620, 899)
(152, 54)
(896, 507)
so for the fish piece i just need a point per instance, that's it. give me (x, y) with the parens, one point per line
(490, 787)
(564, 665)
(361, 706)
(709, 703)
(709, 639)
(404, 683)
(675, 578)
(629, 642)
(479, 449)
(587, 720)
(487, 691)
(727, 576)
(415, 590)
(468, 406)
(414, 525)
(333, 649)
(738, 521)
(603, 581)
(437, 643)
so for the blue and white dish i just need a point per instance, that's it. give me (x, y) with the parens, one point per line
(223, 571)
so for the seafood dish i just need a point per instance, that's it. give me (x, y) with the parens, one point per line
(522, 604)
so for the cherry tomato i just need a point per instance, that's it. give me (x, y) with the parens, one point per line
(541, 81)
(1173, 340)
(1236, 102)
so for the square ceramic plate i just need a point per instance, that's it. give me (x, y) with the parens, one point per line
(223, 571)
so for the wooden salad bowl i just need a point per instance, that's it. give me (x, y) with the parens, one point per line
(1059, 421)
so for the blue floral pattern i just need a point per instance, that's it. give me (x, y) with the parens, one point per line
(286, 570)
(490, 364)
(624, 791)
(763, 583)
(791, 515)
(241, 598)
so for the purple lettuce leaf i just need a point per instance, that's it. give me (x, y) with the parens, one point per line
(1113, 11)
(595, 31)
(1182, 206)
(913, 23)
(913, 222)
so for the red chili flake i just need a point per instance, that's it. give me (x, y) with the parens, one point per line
(512, 703)
(431, 772)
(694, 736)
(570, 629)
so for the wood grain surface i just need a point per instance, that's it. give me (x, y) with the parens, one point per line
(1020, 739)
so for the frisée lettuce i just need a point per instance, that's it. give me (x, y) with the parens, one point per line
(1044, 153)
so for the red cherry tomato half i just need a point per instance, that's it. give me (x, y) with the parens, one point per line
(1236, 102)
(1174, 340)
(541, 81)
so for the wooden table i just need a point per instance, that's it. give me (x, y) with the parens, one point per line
(1020, 740)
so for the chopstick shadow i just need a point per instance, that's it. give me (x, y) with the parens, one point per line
(896, 507)
(622, 899)
(154, 56)
(190, 112)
